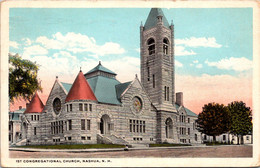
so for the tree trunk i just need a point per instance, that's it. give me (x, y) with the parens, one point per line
(242, 139)
(228, 139)
(214, 138)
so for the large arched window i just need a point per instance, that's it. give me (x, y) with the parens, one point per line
(151, 46)
(165, 46)
(169, 128)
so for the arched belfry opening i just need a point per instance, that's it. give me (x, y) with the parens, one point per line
(165, 46)
(169, 128)
(151, 46)
(105, 124)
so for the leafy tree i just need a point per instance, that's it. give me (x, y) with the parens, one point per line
(23, 80)
(213, 120)
(241, 119)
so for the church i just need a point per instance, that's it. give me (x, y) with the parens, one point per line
(97, 108)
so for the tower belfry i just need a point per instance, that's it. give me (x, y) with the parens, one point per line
(157, 60)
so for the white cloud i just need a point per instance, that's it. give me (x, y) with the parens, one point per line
(195, 61)
(64, 54)
(50, 43)
(138, 50)
(62, 64)
(125, 67)
(34, 50)
(198, 42)
(178, 64)
(232, 63)
(199, 66)
(180, 51)
(13, 44)
(77, 43)
(27, 41)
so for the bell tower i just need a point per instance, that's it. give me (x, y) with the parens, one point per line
(157, 60)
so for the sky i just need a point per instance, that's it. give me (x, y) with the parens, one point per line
(213, 47)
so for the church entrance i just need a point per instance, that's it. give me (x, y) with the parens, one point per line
(105, 125)
(169, 128)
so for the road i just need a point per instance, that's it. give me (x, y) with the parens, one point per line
(216, 151)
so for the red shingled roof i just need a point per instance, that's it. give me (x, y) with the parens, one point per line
(35, 106)
(80, 90)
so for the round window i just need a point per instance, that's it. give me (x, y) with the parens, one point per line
(137, 104)
(57, 106)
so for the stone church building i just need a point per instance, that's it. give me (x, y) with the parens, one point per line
(97, 108)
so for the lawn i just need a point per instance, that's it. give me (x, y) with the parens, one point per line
(167, 145)
(74, 146)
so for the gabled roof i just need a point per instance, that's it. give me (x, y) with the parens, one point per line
(120, 88)
(100, 67)
(152, 18)
(189, 112)
(66, 86)
(80, 90)
(35, 106)
(104, 89)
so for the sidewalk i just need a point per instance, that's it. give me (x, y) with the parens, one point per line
(108, 149)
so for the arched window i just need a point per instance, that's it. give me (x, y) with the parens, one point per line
(196, 137)
(151, 46)
(165, 46)
(169, 128)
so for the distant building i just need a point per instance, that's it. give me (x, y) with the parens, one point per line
(97, 108)
(225, 138)
(15, 125)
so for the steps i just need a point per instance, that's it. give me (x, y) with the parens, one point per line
(20, 143)
(111, 139)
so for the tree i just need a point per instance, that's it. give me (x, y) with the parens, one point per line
(241, 119)
(213, 120)
(23, 80)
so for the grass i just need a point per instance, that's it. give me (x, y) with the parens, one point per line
(167, 145)
(74, 146)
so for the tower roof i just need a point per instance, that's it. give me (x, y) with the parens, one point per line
(80, 90)
(152, 18)
(35, 106)
(100, 67)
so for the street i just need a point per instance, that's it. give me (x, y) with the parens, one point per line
(214, 151)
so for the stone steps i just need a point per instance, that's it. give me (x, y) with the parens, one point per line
(112, 139)
(20, 143)
(116, 140)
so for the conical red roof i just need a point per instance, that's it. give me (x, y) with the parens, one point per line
(80, 90)
(35, 106)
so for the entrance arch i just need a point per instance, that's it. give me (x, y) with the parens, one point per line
(105, 124)
(169, 128)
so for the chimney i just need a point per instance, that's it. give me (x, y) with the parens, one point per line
(27, 105)
(179, 98)
(20, 107)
